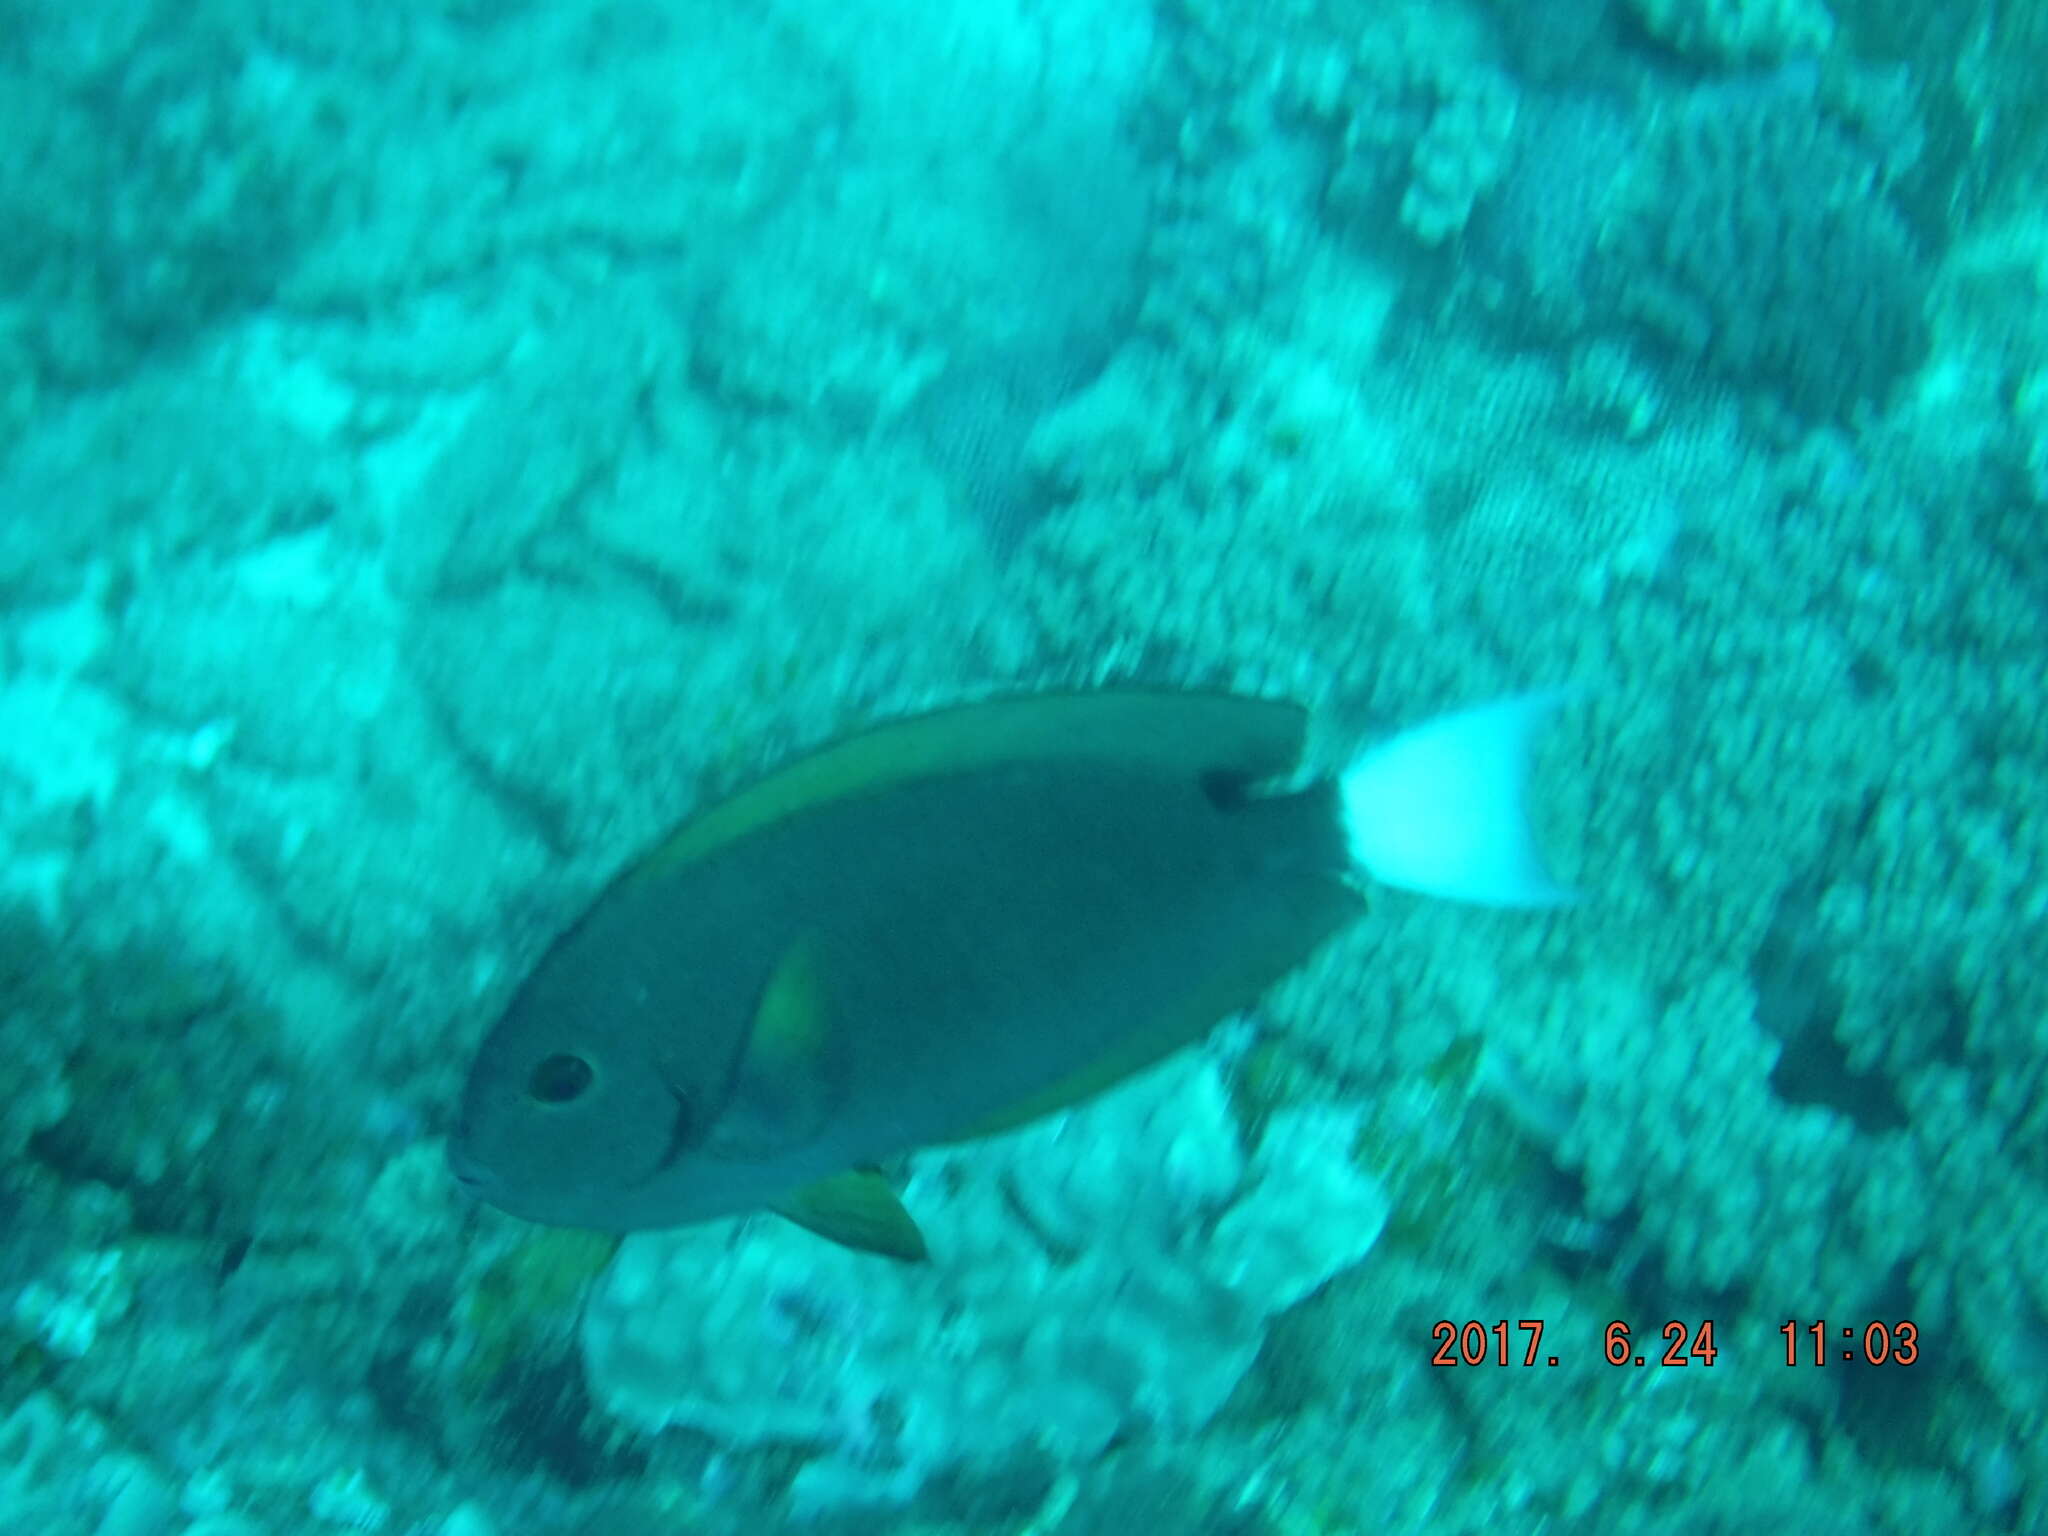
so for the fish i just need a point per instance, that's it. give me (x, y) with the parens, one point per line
(948, 925)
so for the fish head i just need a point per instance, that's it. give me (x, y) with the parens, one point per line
(586, 1099)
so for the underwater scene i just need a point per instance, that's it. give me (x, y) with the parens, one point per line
(1023, 767)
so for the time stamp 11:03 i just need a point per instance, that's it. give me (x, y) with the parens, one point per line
(1521, 1342)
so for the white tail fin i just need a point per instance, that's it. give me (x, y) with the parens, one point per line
(1439, 808)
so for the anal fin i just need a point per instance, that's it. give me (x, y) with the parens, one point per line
(856, 1209)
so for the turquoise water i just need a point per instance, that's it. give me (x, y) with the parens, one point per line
(442, 444)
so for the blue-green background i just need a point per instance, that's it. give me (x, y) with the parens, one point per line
(441, 443)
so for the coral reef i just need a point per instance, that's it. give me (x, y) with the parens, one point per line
(155, 180)
(1753, 236)
(1106, 1275)
(1419, 114)
(441, 443)
(1458, 157)
(1723, 31)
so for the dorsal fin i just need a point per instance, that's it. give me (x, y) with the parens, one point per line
(1199, 733)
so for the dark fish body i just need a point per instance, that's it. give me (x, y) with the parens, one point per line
(929, 931)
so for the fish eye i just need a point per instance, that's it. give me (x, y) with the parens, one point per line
(561, 1079)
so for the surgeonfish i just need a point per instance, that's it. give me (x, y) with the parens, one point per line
(948, 925)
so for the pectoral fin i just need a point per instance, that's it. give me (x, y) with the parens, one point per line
(857, 1209)
(786, 1079)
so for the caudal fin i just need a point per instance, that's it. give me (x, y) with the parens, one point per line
(1441, 807)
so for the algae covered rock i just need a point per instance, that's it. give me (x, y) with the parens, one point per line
(1722, 31)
